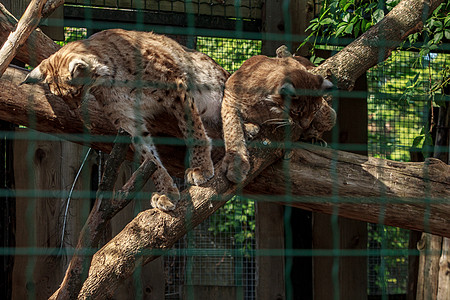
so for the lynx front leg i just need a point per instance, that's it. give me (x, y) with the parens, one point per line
(236, 161)
(189, 121)
(167, 194)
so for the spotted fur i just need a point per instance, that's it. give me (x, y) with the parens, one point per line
(266, 91)
(134, 76)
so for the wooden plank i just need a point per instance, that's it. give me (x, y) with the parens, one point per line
(45, 169)
(428, 266)
(249, 9)
(7, 209)
(210, 292)
(444, 271)
(270, 235)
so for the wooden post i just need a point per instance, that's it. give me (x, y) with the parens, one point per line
(270, 236)
(7, 208)
(352, 273)
(44, 171)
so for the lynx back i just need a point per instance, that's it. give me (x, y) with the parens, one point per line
(134, 76)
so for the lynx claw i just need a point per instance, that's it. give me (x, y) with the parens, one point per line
(235, 167)
(163, 202)
(195, 176)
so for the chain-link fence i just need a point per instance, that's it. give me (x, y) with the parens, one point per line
(221, 252)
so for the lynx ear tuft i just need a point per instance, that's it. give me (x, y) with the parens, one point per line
(35, 76)
(326, 84)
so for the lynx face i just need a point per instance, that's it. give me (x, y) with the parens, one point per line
(266, 91)
(134, 76)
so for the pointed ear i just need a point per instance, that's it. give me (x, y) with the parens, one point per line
(287, 89)
(79, 68)
(35, 76)
(326, 84)
(84, 70)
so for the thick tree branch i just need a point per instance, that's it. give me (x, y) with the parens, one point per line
(376, 44)
(38, 46)
(27, 23)
(106, 206)
(408, 195)
(156, 230)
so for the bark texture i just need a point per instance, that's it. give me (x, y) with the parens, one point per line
(408, 195)
(38, 46)
(28, 22)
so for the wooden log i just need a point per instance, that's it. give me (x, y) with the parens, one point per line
(27, 23)
(156, 231)
(408, 195)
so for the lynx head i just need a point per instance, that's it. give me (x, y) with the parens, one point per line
(68, 74)
(301, 93)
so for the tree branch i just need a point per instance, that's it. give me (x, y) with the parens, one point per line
(28, 22)
(376, 44)
(38, 46)
(106, 206)
(407, 195)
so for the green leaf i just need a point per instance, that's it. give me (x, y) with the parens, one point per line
(349, 28)
(438, 37)
(447, 20)
(447, 34)
(326, 21)
(378, 15)
(340, 30)
(417, 140)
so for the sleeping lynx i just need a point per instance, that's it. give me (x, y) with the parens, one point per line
(268, 91)
(134, 76)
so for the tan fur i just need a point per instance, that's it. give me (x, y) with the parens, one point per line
(266, 91)
(325, 118)
(134, 76)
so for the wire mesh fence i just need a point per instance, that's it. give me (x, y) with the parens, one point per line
(221, 252)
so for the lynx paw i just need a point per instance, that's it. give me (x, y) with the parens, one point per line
(236, 167)
(163, 202)
(197, 176)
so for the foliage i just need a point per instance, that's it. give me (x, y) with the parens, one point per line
(73, 34)
(435, 32)
(237, 219)
(229, 53)
(389, 274)
(346, 18)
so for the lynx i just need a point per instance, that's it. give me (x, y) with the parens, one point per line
(325, 117)
(263, 91)
(134, 76)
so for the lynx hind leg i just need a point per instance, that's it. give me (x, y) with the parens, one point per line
(167, 194)
(201, 165)
(236, 163)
